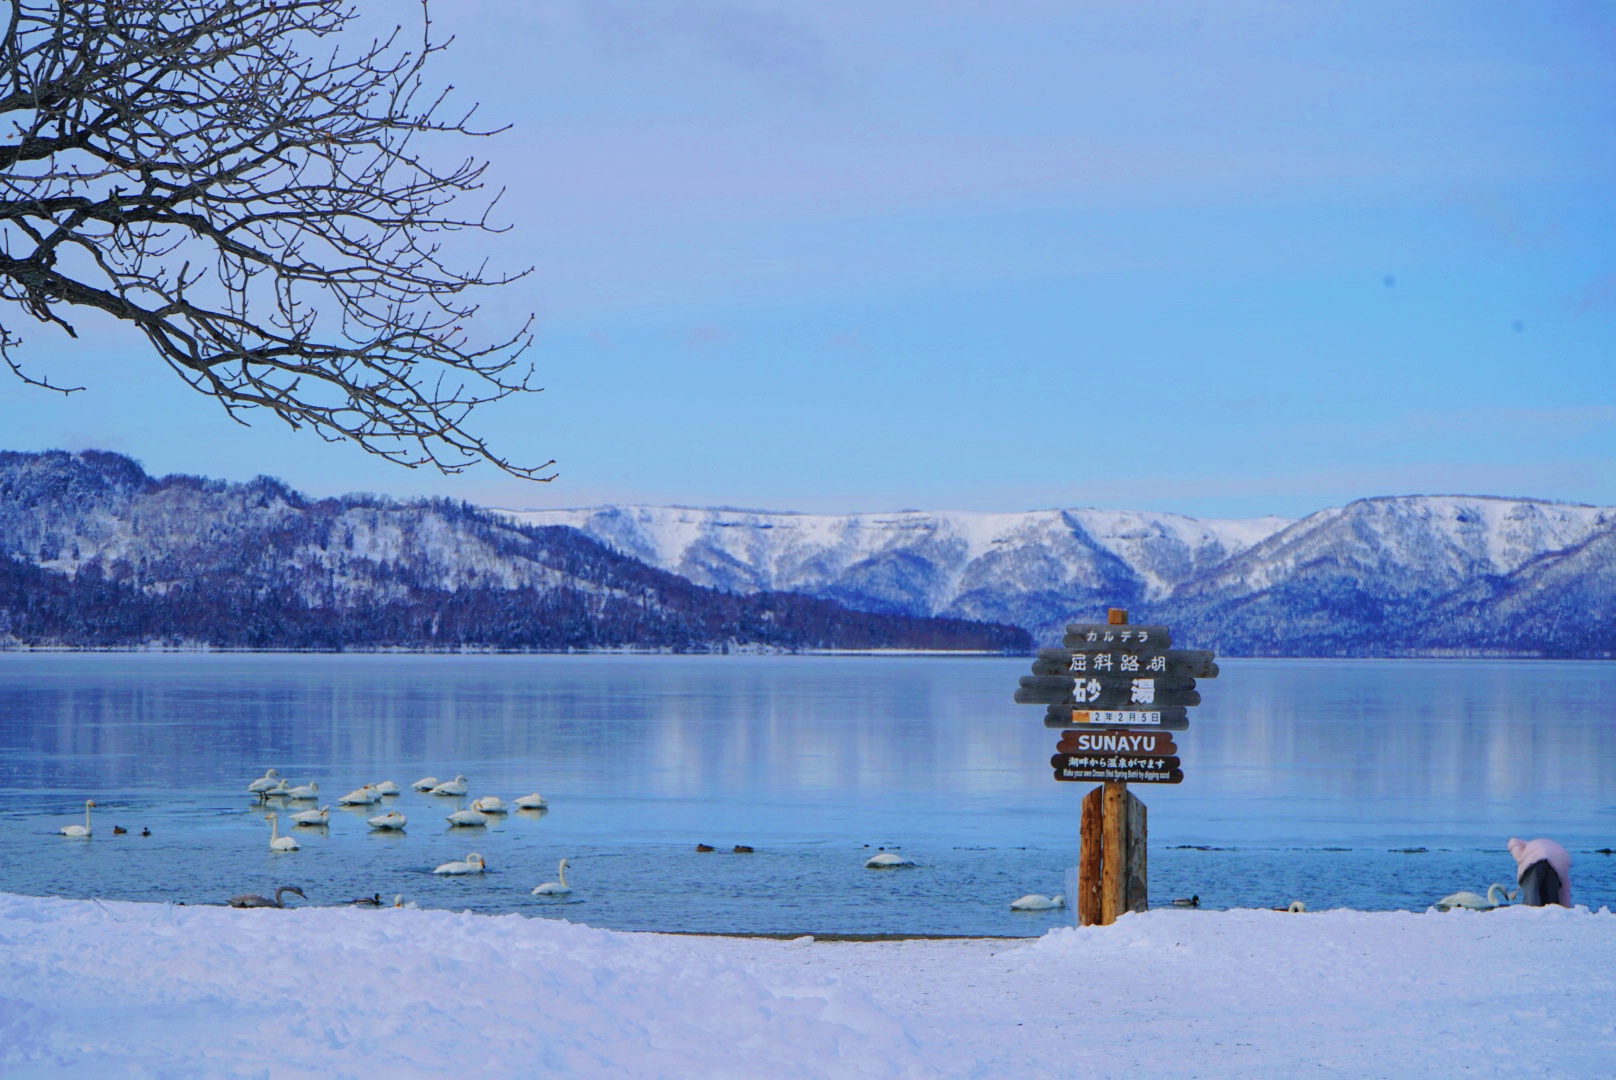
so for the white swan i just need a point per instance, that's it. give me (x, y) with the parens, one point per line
(468, 818)
(255, 900)
(321, 816)
(365, 796)
(79, 830)
(473, 865)
(457, 786)
(390, 820)
(277, 842)
(534, 801)
(886, 860)
(1038, 902)
(488, 804)
(304, 792)
(281, 789)
(426, 783)
(555, 888)
(264, 783)
(387, 787)
(1477, 903)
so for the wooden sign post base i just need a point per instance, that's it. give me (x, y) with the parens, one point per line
(1111, 872)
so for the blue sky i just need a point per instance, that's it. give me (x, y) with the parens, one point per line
(1228, 259)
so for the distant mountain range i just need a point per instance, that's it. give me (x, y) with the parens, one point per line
(95, 553)
(1403, 576)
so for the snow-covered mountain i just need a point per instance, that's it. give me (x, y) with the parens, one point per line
(1030, 569)
(93, 551)
(1383, 575)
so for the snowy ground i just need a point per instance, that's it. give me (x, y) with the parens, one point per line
(124, 989)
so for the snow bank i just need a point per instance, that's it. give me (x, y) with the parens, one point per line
(140, 989)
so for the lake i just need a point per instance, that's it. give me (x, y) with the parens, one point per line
(1365, 783)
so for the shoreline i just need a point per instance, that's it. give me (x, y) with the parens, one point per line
(93, 989)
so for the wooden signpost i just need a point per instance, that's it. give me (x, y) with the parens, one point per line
(1118, 692)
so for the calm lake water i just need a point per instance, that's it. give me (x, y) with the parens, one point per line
(1303, 780)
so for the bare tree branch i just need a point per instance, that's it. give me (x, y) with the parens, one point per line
(222, 176)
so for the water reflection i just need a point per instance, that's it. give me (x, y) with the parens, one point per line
(794, 754)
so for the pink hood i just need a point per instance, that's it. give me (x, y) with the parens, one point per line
(1527, 852)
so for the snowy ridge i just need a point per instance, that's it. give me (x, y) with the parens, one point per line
(1436, 573)
(965, 564)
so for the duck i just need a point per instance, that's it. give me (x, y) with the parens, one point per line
(466, 819)
(367, 901)
(80, 830)
(535, 801)
(321, 816)
(145, 831)
(474, 864)
(488, 804)
(254, 900)
(743, 849)
(426, 783)
(270, 778)
(365, 796)
(1187, 901)
(390, 820)
(1478, 903)
(705, 847)
(457, 786)
(886, 860)
(387, 787)
(1038, 902)
(119, 830)
(304, 792)
(277, 842)
(555, 888)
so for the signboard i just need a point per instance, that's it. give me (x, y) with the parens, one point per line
(1167, 664)
(1118, 743)
(1106, 692)
(1175, 718)
(1117, 692)
(1097, 636)
(1128, 770)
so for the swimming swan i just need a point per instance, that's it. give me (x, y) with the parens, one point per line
(488, 804)
(304, 792)
(426, 783)
(365, 796)
(387, 787)
(1477, 903)
(390, 820)
(534, 801)
(280, 790)
(80, 830)
(467, 818)
(1038, 902)
(473, 865)
(457, 786)
(254, 900)
(886, 861)
(277, 842)
(321, 816)
(555, 888)
(264, 783)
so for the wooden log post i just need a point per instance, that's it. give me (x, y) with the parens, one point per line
(1112, 868)
(1089, 861)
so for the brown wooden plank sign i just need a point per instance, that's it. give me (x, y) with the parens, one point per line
(1118, 692)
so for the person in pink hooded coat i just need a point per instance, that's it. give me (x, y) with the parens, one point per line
(1543, 869)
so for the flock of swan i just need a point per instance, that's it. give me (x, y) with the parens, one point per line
(272, 786)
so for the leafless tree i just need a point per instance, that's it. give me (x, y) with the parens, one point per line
(249, 190)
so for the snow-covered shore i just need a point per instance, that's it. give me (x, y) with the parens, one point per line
(120, 989)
